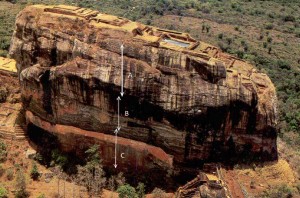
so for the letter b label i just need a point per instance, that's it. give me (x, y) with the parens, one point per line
(126, 113)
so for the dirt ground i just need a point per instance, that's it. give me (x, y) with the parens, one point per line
(253, 180)
(232, 184)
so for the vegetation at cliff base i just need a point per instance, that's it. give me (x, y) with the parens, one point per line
(92, 175)
(34, 173)
(127, 190)
(20, 185)
(3, 192)
(278, 191)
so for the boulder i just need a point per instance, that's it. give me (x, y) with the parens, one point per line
(30, 154)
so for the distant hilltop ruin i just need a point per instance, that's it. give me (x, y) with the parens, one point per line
(188, 102)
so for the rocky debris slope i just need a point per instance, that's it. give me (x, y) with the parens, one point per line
(185, 98)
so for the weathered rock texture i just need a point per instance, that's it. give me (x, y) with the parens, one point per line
(185, 98)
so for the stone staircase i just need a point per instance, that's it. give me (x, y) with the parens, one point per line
(190, 193)
(20, 132)
(191, 189)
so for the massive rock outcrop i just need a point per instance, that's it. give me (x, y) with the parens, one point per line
(187, 101)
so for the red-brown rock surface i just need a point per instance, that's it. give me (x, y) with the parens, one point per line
(185, 98)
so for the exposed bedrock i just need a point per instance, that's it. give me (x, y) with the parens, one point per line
(185, 98)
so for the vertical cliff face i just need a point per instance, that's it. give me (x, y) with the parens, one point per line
(187, 101)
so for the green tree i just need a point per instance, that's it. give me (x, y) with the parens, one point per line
(158, 193)
(127, 191)
(38, 157)
(3, 152)
(207, 28)
(203, 27)
(282, 64)
(58, 158)
(92, 175)
(240, 54)
(220, 36)
(229, 41)
(269, 39)
(2, 170)
(289, 18)
(10, 174)
(3, 192)
(140, 190)
(93, 157)
(34, 173)
(269, 26)
(269, 50)
(265, 45)
(116, 181)
(41, 196)
(20, 185)
(92, 179)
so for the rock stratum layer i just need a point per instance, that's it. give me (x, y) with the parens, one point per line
(188, 102)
